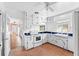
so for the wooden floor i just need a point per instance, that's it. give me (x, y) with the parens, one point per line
(43, 50)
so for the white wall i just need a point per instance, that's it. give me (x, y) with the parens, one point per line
(2, 8)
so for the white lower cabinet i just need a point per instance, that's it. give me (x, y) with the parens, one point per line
(59, 41)
(53, 42)
(37, 44)
(44, 38)
(25, 45)
(63, 42)
(70, 44)
(28, 42)
(51, 39)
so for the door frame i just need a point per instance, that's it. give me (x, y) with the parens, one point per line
(15, 24)
(76, 32)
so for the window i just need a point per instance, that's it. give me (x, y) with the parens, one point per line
(42, 27)
(65, 28)
(62, 28)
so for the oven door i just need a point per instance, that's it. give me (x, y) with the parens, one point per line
(37, 39)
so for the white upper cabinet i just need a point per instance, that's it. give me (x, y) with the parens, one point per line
(35, 18)
(63, 18)
(38, 19)
(50, 24)
(38, 22)
(50, 19)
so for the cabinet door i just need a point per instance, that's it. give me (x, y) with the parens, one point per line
(70, 44)
(60, 43)
(52, 39)
(49, 38)
(44, 38)
(25, 43)
(30, 43)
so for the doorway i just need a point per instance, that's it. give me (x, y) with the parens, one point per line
(15, 40)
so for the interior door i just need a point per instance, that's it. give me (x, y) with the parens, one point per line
(13, 36)
(13, 40)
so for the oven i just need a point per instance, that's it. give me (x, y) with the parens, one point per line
(37, 38)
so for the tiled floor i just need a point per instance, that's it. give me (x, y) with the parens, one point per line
(43, 50)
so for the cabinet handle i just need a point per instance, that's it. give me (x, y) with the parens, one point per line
(0, 44)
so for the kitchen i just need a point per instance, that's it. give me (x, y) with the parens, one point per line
(44, 30)
(42, 33)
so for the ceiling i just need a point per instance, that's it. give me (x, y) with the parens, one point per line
(24, 6)
(16, 9)
(21, 5)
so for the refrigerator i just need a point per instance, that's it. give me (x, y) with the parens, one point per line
(0, 34)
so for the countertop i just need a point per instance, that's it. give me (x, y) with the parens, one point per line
(54, 33)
